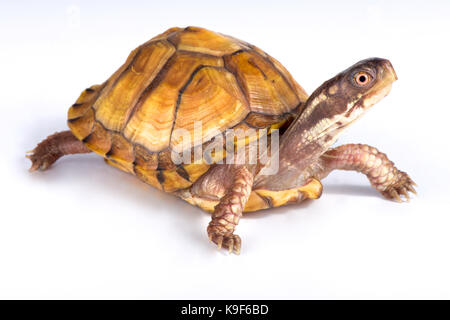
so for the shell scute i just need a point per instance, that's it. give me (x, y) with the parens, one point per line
(174, 181)
(213, 100)
(165, 160)
(266, 90)
(84, 101)
(114, 106)
(150, 177)
(99, 140)
(121, 151)
(151, 125)
(81, 127)
(144, 159)
(200, 40)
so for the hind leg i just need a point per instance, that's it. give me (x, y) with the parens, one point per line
(53, 148)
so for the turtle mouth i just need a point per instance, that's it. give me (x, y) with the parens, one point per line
(366, 101)
(376, 95)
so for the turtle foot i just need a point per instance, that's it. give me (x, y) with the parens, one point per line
(53, 148)
(42, 157)
(402, 186)
(230, 242)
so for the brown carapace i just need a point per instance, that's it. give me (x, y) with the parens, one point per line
(191, 77)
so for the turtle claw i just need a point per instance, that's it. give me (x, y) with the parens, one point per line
(230, 242)
(404, 192)
(394, 195)
(411, 188)
(401, 187)
(41, 159)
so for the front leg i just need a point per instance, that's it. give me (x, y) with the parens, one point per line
(380, 171)
(228, 211)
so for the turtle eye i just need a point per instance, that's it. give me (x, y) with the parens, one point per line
(362, 78)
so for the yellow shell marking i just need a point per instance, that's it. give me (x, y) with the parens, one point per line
(114, 106)
(266, 90)
(212, 98)
(200, 40)
(312, 190)
(264, 199)
(152, 123)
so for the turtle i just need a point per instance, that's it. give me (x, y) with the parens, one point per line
(190, 78)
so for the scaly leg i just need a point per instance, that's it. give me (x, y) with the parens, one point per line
(380, 171)
(227, 213)
(54, 147)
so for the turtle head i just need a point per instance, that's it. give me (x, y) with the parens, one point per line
(347, 96)
(359, 87)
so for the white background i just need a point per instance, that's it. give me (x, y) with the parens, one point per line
(86, 230)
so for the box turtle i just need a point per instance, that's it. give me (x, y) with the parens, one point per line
(167, 115)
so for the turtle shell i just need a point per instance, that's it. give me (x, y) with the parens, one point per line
(174, 80)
